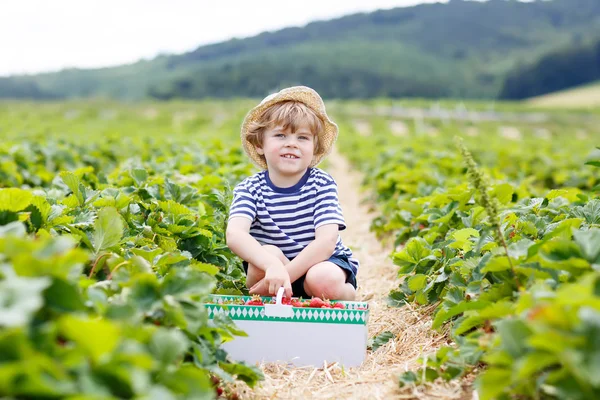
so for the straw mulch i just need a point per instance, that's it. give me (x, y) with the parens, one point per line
(377, 378)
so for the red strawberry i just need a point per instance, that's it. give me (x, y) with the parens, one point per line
(297, 303)
(339, 305)
(255, 301)
(316, 302)
(286, 301)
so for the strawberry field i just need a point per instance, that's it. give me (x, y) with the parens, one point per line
(500, 230)
(112, 220)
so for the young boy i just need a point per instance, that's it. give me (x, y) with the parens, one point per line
(284, 220)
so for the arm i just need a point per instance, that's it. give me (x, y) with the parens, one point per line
(318, 250)
(245, 246)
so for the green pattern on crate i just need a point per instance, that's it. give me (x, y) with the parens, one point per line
(350, 315)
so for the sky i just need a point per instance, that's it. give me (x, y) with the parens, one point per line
(42, 35)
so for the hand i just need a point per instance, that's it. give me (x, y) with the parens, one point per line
(277, 276)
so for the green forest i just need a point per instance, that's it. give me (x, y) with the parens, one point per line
(460, 49)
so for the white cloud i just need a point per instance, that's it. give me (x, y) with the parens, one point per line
(41, 35)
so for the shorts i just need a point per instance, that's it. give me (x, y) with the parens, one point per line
(298, 285)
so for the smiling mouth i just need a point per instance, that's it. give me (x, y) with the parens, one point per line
(290, 156)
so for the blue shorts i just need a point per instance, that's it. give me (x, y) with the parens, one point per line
(298, 285)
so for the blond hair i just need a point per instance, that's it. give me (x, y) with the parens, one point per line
(286, 114)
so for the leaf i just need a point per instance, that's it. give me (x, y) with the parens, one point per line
(249, 374)
(376, 342)
(589, 242)
(168, 345)
(407, 378)
(527, 367)
(63, 296)
(108, 229)
(465, 234)
(397, 298)
(20, 299)
(519, 249)
(442, 316)
(492, 383)
(496, 264)
(417, 282)
(97, 337)
(503, 192)
(73, 183)
(416, 251)
(139, 175)
(204, 267)
(13, 199)
(593, 163)
(16, 228)
(513, 335)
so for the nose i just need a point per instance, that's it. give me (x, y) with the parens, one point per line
(291, 141)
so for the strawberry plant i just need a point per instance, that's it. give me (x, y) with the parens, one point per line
(109, 247)
(508, 253)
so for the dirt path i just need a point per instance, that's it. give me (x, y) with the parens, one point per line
(377, 377)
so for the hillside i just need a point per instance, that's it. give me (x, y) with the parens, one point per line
(586, 96)
(561, 69)
(458, 49)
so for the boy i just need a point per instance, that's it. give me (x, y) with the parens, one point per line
(284, 220)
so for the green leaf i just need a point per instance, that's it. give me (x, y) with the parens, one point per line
(532, 363)
(513, 335)
(108, 229)
(63, 296)
(20, 299)
(416, 251)
(397, 298)
(492, 383)
(249, 374)
(589, 242)
(417, 282)
(168, 345)
(15, 228)
(376, 342)
(204, 267)
(465, 234)
(13, 199)
(442, 316)
(496, 264)
(503, 192)
(97, 337)
(593, 163)
(139, 175)
(145, 291)
(6, 217)
(73, 183)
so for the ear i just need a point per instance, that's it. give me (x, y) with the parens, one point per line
(260, 151)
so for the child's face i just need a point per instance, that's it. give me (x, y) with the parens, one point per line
(288, 154)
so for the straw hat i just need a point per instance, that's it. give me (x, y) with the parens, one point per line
(302, 94)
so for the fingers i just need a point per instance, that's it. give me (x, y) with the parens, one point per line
(288, 289)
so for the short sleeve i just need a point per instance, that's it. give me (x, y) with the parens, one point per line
(327, 206)
(243, 204)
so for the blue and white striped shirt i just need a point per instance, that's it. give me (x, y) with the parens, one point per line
(288, 217)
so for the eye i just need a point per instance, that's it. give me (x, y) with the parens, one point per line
(279, 135)
(303, 137)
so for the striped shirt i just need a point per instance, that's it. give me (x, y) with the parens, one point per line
(288, 217)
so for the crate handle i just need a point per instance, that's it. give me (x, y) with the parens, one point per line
(278, 309)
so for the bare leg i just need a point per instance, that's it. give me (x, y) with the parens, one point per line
(327, 280)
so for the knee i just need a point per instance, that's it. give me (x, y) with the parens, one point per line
(326, 283)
